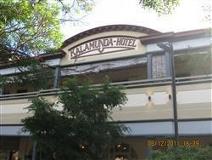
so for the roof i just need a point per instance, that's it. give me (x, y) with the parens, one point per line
(176, 36)
(51, 56)
(153, 36)
(42, 57)
(101, 29)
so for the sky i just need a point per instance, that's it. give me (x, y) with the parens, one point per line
(189, 15)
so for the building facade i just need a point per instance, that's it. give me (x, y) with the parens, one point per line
(134, 57)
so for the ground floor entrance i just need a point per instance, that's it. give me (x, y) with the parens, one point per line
(15, 148)
(129, 148)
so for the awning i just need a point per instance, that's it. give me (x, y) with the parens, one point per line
(101, 66)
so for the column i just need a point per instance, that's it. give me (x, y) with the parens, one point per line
(1, 90)
(56, 77)
(158, 66)
(149, 66)
(34, 151)
(168, 65)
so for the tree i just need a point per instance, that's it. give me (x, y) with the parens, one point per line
(28, 28)
(183, 153)
(31, 27)
(33, 73)
(80, 129)
(160, 6)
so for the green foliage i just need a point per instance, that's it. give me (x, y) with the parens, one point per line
(32, 74)
(33, 27)
(2, 81)
(27, 28)
(160, 6)
(183, 153)
(76, 127)
(74, 10)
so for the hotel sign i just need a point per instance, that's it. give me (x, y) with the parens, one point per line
(102, 46)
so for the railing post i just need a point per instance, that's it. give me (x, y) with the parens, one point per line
(168, 65)
(174, 93)
(56, 77)
(34, 151)
(1, 91)
(168, 47)
(149, 66)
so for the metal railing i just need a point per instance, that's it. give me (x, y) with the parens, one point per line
(126, 84)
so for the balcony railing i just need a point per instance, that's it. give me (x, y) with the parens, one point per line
(149, 103)
(127, 84)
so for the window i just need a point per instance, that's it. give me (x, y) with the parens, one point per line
(193, 63)
(131, 73)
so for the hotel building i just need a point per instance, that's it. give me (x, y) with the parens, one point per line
(140, 59)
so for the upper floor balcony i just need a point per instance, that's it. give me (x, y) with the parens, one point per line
(149, 104)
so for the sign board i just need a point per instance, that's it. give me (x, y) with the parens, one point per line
(102, 46)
